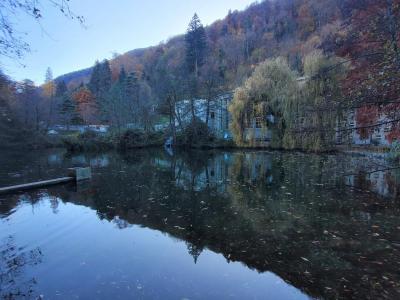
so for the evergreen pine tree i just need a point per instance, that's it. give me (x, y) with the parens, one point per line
(76, 118)
(196, 44)
(61, 88)
(49, 75)
(122, 75)
(132, 88)
(69, 111)
(105, 79)
(100, 84)
(94, 82)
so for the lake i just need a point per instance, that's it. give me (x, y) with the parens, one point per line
(201, 225)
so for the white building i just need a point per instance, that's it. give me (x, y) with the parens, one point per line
(218, 115)
(81, 128)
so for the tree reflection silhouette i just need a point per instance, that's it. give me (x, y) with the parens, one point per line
(291, 214)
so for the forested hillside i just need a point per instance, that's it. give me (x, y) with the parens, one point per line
(346, 50)
(243, 39)
(362, 31)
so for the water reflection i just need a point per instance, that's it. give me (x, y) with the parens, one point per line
(290, 214)
(14, 283)
(383, 183)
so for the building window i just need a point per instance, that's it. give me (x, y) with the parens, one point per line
(212, 115)
(258, 122)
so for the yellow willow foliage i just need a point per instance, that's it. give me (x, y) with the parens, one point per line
(305, 110)
(321, 98)
(271, 89)
(237, 109)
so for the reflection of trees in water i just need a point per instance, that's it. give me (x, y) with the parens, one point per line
(290, 214)
(13, 261)
(382, 183)
(393, 182)
(309, 221)
(10, 202)
(194, 251)
(286, 213)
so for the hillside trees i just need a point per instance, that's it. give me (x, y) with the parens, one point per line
(61, 88)
(196, 44)
(218, 58)
(115, 107)
(132, 95)
(240, 41)
(69, 111)
(28, 104)
(373, 43)
(67, 106)
(10, 132)
(99, 84)
(126, 101)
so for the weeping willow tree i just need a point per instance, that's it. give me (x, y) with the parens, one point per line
(304, 110)
(321, 101)
(270, 91)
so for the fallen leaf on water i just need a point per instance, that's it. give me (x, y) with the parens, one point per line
(305, 259)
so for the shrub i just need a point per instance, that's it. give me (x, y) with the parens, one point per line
(196, 133)
(135, 138)
(88, 141)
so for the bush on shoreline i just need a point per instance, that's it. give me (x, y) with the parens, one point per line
(87, 141)
(195, 134)
(129, 139)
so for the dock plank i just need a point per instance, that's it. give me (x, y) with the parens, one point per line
(33, 185)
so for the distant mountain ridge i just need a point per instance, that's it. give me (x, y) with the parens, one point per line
(75, 78)
(83, 75)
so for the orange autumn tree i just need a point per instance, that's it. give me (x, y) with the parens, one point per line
(86, 104)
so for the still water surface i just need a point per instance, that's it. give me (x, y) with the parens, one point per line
(201, 225)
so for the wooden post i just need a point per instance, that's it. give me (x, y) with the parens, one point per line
(80, 173)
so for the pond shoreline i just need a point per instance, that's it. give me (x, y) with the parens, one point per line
(93, 146)
(355, 151)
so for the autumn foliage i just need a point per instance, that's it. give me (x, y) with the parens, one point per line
(363, 34)
(86, 104)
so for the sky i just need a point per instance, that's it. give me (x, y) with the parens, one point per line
(111, 26)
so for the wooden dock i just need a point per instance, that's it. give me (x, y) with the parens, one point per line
(75, 174)
(34, 185)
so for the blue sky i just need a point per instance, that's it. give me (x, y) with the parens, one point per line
(111, 26)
